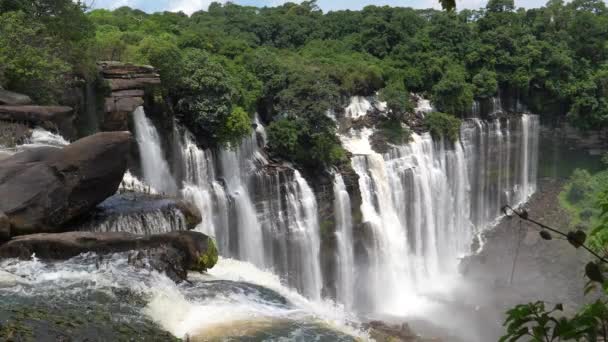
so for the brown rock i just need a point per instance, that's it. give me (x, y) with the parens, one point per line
(124, 104)
(42, 189)
(136, 83)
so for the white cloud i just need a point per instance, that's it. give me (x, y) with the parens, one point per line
(190, 6)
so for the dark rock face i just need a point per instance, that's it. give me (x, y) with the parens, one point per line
(174, 253)
(53, 118)
(42, 189)
(13, 99)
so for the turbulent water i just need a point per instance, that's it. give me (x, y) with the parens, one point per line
(236, 300)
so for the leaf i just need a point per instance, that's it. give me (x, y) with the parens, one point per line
(545, 235)
(577, 238)
(593, 272)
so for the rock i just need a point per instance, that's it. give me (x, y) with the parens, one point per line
(128, 93)
(49, 117)
(43, 188)
(14, 99)
(383, 332)
(134, 83)
(111, 69)
(5, 227)
(176, 252)
(123, 104)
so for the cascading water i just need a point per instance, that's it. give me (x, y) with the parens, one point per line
(154, 166)
(424, 201)
(344, 235)
(266, 217)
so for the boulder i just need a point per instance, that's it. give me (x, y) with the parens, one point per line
(176, 251)
(42, 189)
(13, 99)
(49, 117)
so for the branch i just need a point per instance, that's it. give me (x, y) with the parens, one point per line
(523, 215)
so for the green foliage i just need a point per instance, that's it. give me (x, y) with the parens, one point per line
(30, 61)
(443, 125)
(485, 84)
(236, 126)
(397, 99)
(452, 94)
(579, 197)
(283, 137)
(394, 131)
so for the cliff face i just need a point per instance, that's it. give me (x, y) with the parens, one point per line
(128, 86)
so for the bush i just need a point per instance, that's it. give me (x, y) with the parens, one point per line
(443, 125)
(283, 137)
(580, 185)
(236, 126)
(394, 131)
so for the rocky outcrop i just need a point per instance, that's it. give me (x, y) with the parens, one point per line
(383, 332)
(141, 213)
(174, 253)
(43, 188)
(128, 84)
(13, 99)
(52, 118)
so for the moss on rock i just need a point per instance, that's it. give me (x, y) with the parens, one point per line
(208, 259)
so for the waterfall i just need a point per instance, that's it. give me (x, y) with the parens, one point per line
(344, 236)
(423, 202)
(156, 221)
(358, 107)
(154, 166)
(262, 215)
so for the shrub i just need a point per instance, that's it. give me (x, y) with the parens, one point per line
(443, 125)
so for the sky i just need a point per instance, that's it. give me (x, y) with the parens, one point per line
(189, 6)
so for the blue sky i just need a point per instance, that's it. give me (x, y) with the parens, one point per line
(190, 6)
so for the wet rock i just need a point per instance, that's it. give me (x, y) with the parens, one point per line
(174, 253)
(13, 99)
(384, 332)
(44, 188)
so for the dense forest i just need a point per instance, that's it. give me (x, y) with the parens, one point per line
(293, 63)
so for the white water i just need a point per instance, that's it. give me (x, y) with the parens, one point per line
(358, 107)
(268, 218)
(234, 295)
(154, 166)
(345, 255)
(423, 203)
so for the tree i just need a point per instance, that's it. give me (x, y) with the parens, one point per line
(452, 93)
